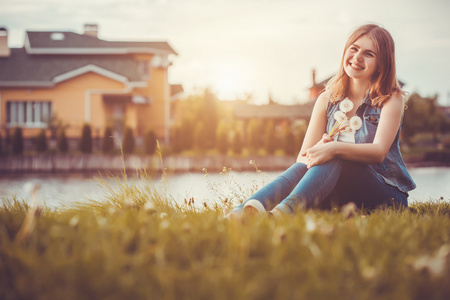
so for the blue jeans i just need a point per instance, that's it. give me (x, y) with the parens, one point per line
(334, 182)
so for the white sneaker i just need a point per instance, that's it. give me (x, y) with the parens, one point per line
(254, 207)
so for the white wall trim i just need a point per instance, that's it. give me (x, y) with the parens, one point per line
(90, 68)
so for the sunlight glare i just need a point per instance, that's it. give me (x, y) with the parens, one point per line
(228, 83)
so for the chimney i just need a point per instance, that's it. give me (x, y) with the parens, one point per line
(314, 77)
(91, 30)
(4, 49)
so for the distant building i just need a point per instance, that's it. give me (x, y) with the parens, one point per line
(79, 78)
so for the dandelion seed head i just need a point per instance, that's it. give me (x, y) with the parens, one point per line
(74, 221)
(164, 224)
(149, 205)
(102, 221)
(339, 116)
(355, 123)
(346, 105)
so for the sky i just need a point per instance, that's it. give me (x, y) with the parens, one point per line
(238, 48)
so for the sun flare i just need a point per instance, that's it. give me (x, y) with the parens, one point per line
(228, 83)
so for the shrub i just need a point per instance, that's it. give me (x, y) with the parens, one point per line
(108, 141)
(237, 142)
(150, 142)
(200, 137)
(254, 135)
(289, 141)
(62, 143)
(17, 141)
(40, 141)
(270, 138)
(176, 141)
(128, 141)
(86, 139)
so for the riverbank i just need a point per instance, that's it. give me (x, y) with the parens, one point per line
(49, 163)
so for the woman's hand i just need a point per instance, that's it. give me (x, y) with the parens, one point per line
(302, 157)
(322, 152)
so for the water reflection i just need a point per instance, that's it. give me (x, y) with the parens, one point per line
(65, 189)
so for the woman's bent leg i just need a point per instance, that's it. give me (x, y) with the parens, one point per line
(271, 194)
(314, 187)
(359, 183)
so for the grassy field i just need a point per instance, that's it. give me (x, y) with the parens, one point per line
(137, 244)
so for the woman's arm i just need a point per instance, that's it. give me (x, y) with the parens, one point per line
(371, 153)
(316, 128)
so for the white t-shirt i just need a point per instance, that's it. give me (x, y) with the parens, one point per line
(346, 137)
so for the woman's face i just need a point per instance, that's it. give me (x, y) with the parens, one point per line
(360, 59)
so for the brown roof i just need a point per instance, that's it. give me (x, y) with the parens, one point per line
(72, 40)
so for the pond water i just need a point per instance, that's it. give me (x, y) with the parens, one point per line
(65, 189)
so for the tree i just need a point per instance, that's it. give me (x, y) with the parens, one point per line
(200, 136)
(86, 139)
(222, 137)
(177, 140)
(128, 141)
(254, 134)
(289, 141)
(17, 141)
(108, 141)
(237, 144)
(40, 141)
(270, 138)
(62, 143)
(422, 115)
(150, 142)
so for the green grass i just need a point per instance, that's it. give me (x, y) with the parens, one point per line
(136, 243)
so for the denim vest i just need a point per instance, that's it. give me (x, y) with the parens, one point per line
(392, 169)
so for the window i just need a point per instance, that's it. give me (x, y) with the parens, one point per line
(144, 69)
(28, 113)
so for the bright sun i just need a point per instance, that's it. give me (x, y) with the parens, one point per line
(228, 83)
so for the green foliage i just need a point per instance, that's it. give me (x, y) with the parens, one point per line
(40, 141)
(108, 141)
(237, 143)
(136, 244)
(422, 115)
(222, 137)
(17, 141)
(205, 108)
(150, 142)
(62, 143)
(201, 137)
(290, 143)
(128, 142)
(176, 140)
(85, 145)
(254, 135)
(270, 139)
(208, 112)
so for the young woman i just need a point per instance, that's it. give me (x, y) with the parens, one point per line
(351, 149)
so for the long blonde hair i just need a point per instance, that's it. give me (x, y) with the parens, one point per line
(384, 81)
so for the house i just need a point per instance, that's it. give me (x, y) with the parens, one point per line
(76, 78)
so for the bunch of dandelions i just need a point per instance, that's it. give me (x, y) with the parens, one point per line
(343, 123)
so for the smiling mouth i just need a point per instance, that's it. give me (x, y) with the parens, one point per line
(356, 66)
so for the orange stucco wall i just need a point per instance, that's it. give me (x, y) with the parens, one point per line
(69, 98)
